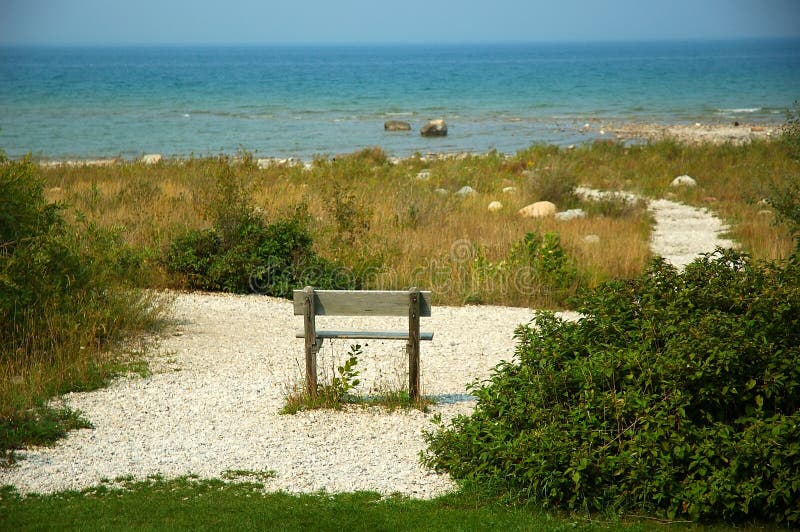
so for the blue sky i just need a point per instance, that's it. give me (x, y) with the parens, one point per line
(373, 21)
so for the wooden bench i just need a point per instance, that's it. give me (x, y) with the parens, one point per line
(412, 303)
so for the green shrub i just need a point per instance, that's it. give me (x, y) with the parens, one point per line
(66, 296)
(676, 394)
(242, 252)
(790, 132)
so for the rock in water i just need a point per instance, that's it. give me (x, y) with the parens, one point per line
(396, 125)
(540, 209)
(683, 181)
(434, 128)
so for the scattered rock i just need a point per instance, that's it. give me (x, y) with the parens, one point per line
(466, 191)
(152, 158)
(495, 206)
(277, 161)
(683, 181)
(509, 190)
(434, 128)
(540, 209)
(396, 125)
(424, 175)
(571, 214)
(591, 239)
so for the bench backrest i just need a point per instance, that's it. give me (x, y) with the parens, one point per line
(361, 303)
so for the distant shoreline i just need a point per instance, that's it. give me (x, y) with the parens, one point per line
(633, 133)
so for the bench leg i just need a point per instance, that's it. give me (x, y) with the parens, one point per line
(413, 344)
(312, 342)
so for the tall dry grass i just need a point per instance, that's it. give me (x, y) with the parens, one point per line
(414, 228)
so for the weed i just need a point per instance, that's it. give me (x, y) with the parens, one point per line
(41, 425)
(347, 379)
(339, 391)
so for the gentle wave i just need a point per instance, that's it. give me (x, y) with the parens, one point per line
(742, 110)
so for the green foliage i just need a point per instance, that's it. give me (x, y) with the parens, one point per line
(676, 394)
(790, 132)
(785, 199)
(242, 252)
(66, 295)
(546, 258)
(38, 426)
(537, 266)
(348, 374)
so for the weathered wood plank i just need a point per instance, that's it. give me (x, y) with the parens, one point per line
(361, 303)
(365, 335)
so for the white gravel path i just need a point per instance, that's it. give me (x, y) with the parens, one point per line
(220, 378)
(683, 232)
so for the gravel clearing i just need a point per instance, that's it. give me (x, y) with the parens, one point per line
(220, 376)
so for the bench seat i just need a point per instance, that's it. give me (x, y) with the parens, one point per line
(364, 335)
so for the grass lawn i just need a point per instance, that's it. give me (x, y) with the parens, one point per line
(187, 503)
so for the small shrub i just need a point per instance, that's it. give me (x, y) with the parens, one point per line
(550, 269)
(348, 374)
(677, 394)
(242, 252)
(790, 132)
(552, 184)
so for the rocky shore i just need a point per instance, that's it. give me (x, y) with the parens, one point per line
(594, 129)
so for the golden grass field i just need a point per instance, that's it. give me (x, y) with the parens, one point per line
(406, 225)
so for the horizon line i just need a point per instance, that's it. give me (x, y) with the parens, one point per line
(454, 42)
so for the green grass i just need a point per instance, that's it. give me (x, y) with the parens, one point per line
(188, 503)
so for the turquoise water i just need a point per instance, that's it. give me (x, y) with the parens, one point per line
(304, 101)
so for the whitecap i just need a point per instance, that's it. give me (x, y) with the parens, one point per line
(740, 110)
(186, 115)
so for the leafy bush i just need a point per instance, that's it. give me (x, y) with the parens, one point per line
(790, 132)
(676, 394)
(242, 252)
(65, 296)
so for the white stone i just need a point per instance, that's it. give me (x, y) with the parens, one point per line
(571, 214)
(495, 206)
(509, 190)
(540, 209)
(466, 191)
(683, 181)
(424, 175)
(152, 158)
(441, 192)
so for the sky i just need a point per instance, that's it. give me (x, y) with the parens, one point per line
(99, 22)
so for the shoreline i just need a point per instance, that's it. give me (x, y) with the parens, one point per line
(596, 129)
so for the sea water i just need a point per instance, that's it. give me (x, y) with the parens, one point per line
(304, 101)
